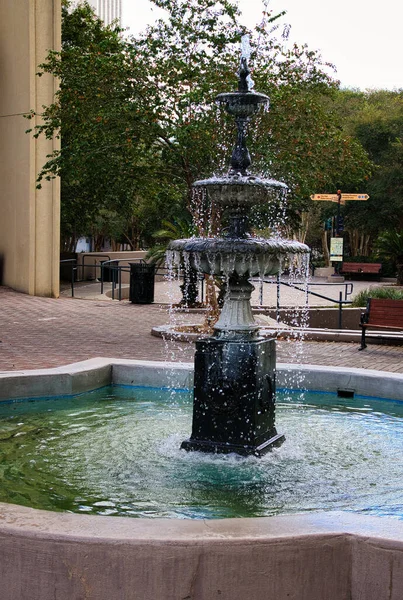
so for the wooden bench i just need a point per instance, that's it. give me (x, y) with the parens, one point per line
(362, 269)
(381, 314)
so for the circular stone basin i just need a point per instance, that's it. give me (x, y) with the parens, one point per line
(116, 452)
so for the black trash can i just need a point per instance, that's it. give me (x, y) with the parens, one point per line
(108, 272)
(66, 268)
(141, 283)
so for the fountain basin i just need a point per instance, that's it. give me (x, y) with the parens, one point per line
(306, 557)
(56, 455)
(94, 373)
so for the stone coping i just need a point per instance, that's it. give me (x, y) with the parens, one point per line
(17, 519)
(314, 556)
(94, 373)
(170, 332)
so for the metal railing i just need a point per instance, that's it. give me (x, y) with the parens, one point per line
(110, 271)
(115, 269)
(304, 287)
(73, 262)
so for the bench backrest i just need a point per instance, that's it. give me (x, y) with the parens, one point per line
(385, 312)
(361, 267)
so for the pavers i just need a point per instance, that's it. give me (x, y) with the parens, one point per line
(44, 332)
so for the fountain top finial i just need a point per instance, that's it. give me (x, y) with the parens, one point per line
(245, 81)
(244, 102)
(243, 76)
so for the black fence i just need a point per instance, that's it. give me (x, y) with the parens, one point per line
(142, 278)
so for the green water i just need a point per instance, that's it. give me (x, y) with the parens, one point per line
(116, 452)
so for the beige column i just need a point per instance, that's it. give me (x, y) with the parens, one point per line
(29, 218)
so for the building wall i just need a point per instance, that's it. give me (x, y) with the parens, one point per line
(108, 10)
(29, 218)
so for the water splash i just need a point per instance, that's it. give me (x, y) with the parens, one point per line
(246, 51)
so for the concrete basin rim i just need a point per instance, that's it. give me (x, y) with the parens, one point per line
(23, 521)
(75, 378)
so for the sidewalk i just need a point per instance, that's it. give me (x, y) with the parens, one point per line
(44, 332)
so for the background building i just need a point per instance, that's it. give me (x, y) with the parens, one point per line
(108, 10)
(29, 217)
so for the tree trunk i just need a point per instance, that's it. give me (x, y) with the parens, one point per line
(353, 235)
(68, 244)
(325, 248)
(212, 308)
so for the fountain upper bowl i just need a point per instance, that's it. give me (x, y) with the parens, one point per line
(240, 191)
(242, 104)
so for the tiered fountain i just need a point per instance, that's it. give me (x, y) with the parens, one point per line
(234, 389)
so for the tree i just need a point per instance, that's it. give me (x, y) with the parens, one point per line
(375, 118)
(139, 124)
(106, 161)
(299, 141)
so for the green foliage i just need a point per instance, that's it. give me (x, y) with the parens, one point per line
(300, 140)
(138, 122)
(375, 118)
(389, 246)
(175, 230)
(106, 162)
(388, 293)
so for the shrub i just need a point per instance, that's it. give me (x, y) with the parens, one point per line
(389, 246)
(388, 293)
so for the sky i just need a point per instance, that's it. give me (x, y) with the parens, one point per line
(362, 38)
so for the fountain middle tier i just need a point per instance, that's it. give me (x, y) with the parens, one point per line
(251, 256)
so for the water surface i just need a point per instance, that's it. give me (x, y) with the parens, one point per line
(116, 452)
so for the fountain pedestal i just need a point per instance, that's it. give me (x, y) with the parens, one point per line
(234, 389)
(234, 397)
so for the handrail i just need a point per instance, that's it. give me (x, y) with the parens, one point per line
(111, 266)
(348, 290)
(99, 254)
(73, 262)
(114, 266)
(117, 269)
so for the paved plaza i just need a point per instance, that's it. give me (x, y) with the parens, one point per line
(169, 291)
(44, 332)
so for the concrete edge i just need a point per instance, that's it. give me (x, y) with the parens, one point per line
(67, 380)
(284, 331)
(99, 372)
(21, 520)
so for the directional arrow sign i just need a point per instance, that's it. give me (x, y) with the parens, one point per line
(327, 197)
(354, 196)
(335, 197)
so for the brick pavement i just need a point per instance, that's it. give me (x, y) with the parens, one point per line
(44, 332)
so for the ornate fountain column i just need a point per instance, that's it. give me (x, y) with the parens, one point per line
(235, 379)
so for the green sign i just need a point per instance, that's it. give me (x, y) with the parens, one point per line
(336, 249)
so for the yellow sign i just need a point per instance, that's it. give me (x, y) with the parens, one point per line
(335, 197)
(327, 197)
(336, 249)
(354, 196)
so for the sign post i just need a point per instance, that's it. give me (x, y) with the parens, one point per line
(336, 243)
